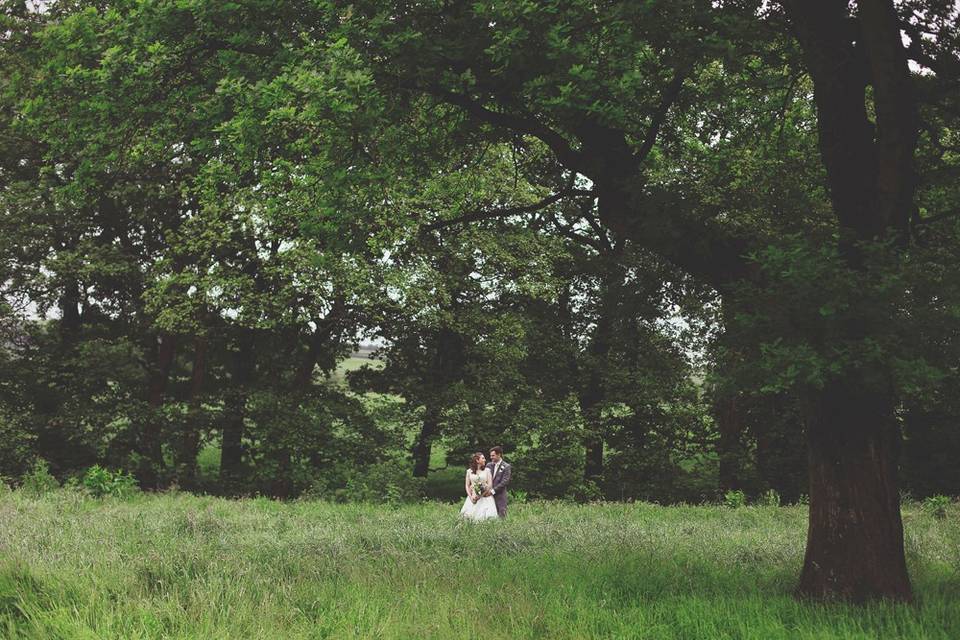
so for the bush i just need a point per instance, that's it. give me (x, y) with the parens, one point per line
(937, 506)
(39, 480)
(769, 498)
(734, 499)
(381, 483)
(100, 482)
(584, 491)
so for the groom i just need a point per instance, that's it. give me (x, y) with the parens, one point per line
(500, 472)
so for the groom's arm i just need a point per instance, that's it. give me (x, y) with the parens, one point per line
(504, 480)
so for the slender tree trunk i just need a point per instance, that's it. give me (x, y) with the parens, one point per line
(730, 449)
(781, 452)
(424, 443)
(593, 468)
(189, 448)
(594, 392)
(855, 534)
(70, 319)
(590, 400)
(231, 446)
(282, 484)
(324, 337)
(151, 438)
(448, 363)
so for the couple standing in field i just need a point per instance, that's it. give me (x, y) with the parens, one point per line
(486, 485)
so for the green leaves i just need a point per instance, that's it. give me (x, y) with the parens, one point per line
(817, 320)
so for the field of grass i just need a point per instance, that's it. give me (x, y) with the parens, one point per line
(338, 376)
(181, 566)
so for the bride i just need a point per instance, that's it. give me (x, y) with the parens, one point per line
(478, 482)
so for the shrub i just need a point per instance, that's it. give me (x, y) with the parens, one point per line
(584, 491)
(39, 480)
(518, 496)
(937, 506)
(381, 483)
(734, 499)
(101, 482)
(769, 498)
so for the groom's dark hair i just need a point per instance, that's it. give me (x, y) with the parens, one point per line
(498, 449)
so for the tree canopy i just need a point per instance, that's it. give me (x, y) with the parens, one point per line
(657, 249)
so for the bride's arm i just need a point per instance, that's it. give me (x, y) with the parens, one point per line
(467, 484)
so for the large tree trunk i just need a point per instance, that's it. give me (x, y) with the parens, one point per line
(855, 535)
(855, 538)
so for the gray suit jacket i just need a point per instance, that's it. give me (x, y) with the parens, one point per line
(500, 482)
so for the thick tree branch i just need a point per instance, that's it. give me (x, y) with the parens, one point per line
(948, 69)
(486, 214)
(670, 94)
(937, 218)
(564, 151)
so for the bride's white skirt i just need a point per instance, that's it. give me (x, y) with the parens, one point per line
(484, 509)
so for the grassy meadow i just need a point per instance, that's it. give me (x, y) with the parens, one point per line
(182, 566)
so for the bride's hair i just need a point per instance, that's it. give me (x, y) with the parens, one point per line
(475, 462)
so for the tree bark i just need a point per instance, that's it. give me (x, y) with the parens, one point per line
(591, 397)
(594, 392)
(151, 444)
(448, 366)
(70, 318)
(231, 446)
(730, 450)
(189, 448)
(323, 336)
(781, 451)
(855, 534)
(424, 443)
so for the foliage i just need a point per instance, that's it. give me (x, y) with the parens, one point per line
(769, 498)
(101, 482)
(734, 499)
(937, 506)
(38, 481)
(207, 205)
(382, 483)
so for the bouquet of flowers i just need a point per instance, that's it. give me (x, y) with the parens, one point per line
(478, 486)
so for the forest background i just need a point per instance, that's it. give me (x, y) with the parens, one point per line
(658, 251)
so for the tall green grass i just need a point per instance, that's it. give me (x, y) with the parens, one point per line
(180, 566)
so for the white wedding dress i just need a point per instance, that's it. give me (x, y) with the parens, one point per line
(484, 508)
